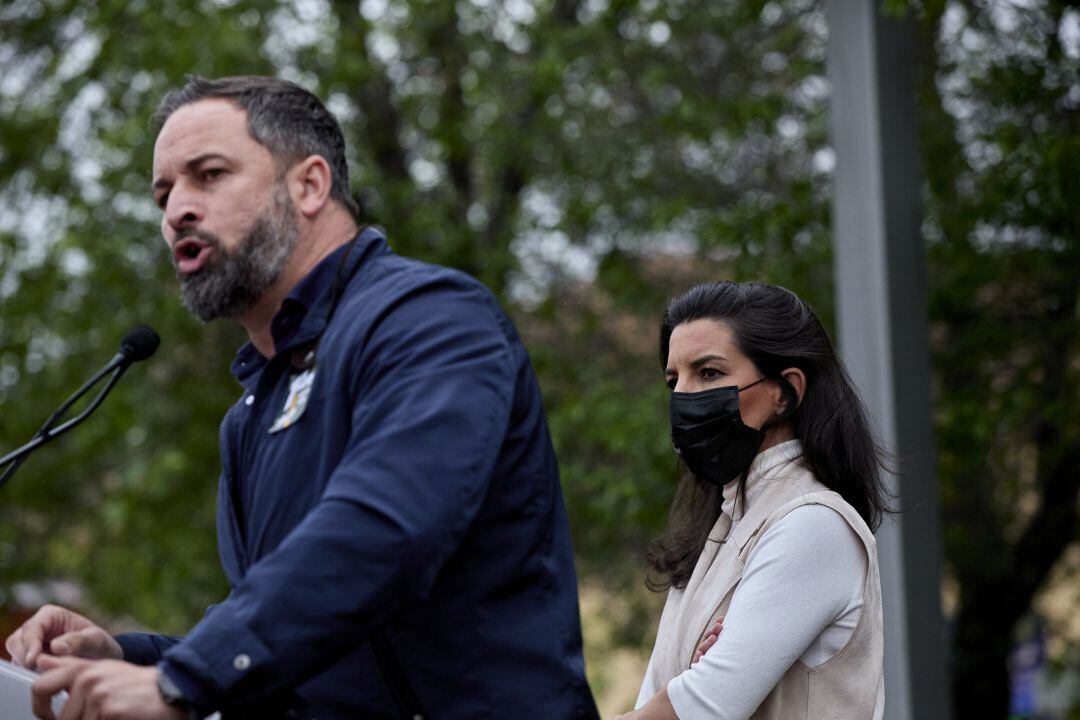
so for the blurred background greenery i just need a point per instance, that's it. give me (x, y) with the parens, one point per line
(587, 159)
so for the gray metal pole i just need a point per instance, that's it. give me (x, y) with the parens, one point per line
(881, 311)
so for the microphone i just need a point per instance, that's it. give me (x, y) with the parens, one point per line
(138, 344)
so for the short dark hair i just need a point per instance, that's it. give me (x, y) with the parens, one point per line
(777, 330)
(283, 117)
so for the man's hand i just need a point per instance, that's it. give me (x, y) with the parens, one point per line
(59, 631)
(100, 690)
(708, 642)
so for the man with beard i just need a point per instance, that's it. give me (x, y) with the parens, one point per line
(389, 512)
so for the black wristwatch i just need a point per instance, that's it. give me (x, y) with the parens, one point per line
(173, 697)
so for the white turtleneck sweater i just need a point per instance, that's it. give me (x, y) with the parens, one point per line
(799, 599)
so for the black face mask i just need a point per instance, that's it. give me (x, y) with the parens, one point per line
(709, 435)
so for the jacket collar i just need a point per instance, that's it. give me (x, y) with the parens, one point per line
(306, 311)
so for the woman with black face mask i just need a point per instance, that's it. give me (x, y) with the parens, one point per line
(774, 598)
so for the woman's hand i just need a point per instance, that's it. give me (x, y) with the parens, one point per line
(659, 708)
(709, 641)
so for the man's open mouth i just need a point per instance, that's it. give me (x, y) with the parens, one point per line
(190, 254)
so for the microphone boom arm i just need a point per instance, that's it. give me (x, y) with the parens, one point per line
(138, 344)
(118, 366)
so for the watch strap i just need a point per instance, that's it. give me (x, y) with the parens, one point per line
(173, 696)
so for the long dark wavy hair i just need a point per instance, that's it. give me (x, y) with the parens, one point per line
(777, 330)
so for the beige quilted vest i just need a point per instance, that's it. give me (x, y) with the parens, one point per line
(848, 686)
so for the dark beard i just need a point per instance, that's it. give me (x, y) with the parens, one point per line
(232, 282)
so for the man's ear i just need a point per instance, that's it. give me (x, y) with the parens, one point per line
(310, 182)
(796, 380)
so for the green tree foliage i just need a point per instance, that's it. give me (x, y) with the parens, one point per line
(535, 145)
(1000, 105)
(586, 159)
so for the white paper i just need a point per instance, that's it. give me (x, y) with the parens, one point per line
(15, 702)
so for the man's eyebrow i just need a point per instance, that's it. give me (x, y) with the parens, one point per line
(191, 165)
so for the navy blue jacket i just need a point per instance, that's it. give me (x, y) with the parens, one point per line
(417, 495)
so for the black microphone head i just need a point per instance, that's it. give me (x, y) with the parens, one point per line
(139, 343)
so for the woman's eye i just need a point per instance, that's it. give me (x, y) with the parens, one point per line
(672, 382)
(710, 374)
(211, 173)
